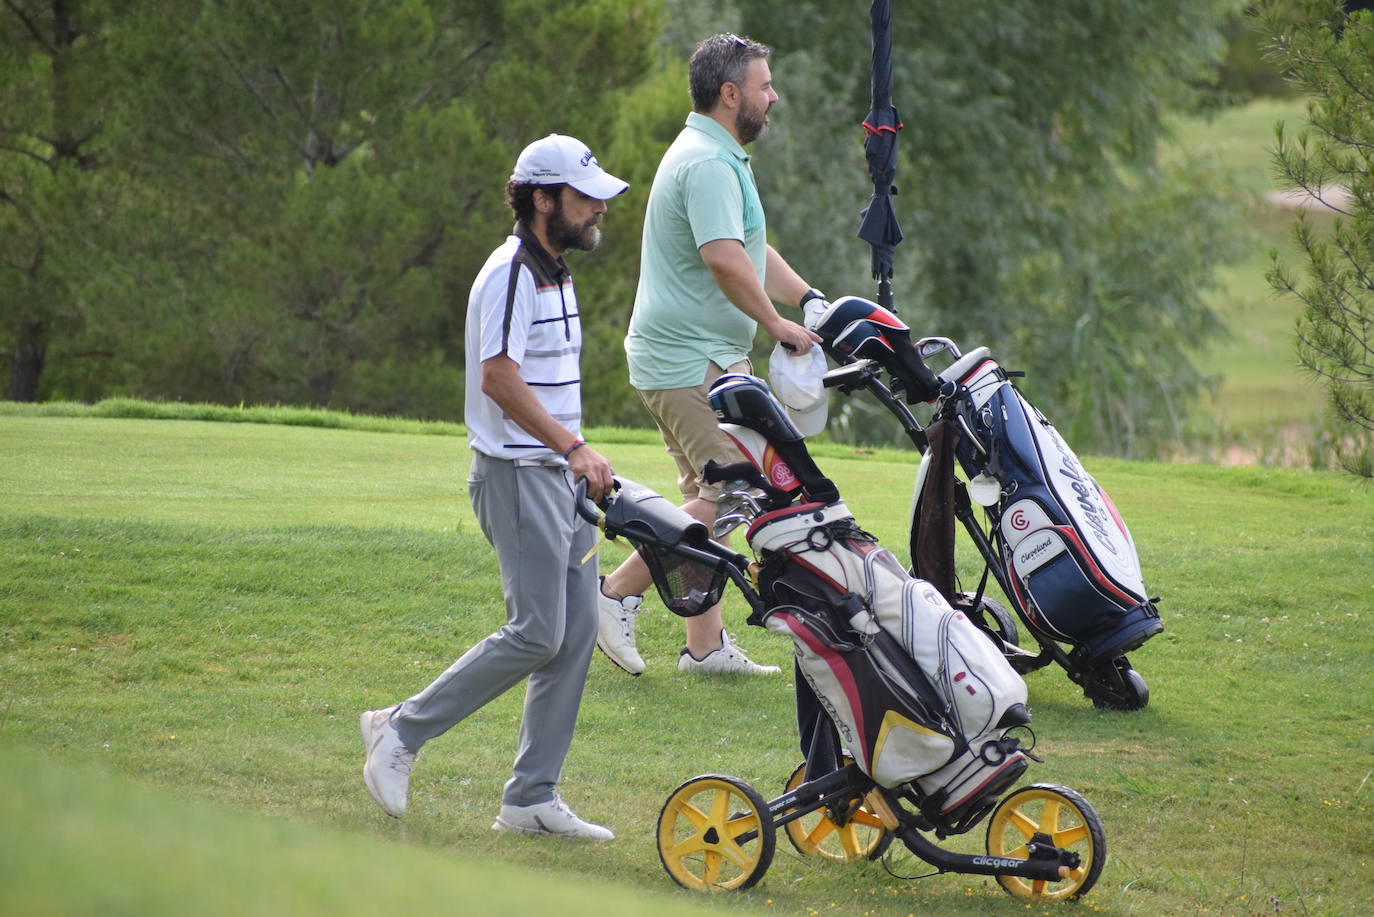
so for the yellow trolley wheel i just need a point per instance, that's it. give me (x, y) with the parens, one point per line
(715, 833)
(1054, 814)
(862, 837)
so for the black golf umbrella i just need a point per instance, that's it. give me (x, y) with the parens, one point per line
(879, 227)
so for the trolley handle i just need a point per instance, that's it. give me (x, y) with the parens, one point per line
(583, 504)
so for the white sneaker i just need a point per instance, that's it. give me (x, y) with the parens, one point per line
(552, 817)
(615, 629)
(387, 768)
(729, 659)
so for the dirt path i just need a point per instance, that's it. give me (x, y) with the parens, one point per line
(1335, 198)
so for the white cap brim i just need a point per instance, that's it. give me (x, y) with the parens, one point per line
(603, 187)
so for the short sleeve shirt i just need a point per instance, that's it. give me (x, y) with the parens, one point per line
(703, 191)
(523, 305)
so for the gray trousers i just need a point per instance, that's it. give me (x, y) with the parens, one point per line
(527, 515)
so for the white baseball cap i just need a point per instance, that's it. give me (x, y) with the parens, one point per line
(559, 159)
(797, 379)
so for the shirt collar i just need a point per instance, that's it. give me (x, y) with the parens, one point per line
(716, 131)
(551, 266)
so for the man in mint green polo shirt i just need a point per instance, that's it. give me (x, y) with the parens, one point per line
(708, 280)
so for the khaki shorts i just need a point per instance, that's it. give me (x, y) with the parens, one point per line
(691, 432)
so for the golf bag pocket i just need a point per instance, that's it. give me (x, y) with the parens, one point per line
(1068, 596)
(976, 683)
(882, 708)
(963, 789)
(912, 685)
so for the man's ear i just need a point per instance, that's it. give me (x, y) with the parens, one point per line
(729, 95)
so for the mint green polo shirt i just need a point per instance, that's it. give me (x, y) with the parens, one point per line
(703, 191)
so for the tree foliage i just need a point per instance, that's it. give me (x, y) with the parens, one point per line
(268, 202)
(1038, 217)
(54, 116)
(307, 190)
(1330, 57)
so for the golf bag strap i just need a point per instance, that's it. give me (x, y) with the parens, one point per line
(932, 523)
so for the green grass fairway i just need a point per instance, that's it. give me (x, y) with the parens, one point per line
(80, 842)
(192, 615)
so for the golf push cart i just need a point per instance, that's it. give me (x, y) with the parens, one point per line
(914, 725)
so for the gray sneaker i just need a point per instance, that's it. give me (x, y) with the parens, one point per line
(729, 659)
(552, 818)
(615, 630)
(386, 771)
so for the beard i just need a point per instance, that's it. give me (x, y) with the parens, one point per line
(751, 122)
(565, 235)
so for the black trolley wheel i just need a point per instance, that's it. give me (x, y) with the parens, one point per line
(1117, 686)
(993, 618)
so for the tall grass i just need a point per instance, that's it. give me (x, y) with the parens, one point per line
(204, 608)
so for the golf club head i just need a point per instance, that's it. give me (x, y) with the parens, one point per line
(728, 523)
(764, 456)
(847, 310)
(737, 499)
(729, 503)
(747, 401)
(865, 339)
(741, 400)
(854, 328)
(933, 346)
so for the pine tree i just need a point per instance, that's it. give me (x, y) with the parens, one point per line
(271, 202)
(1329, 55)
(54, 122)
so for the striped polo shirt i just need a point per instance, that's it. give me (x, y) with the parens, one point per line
(522, 305)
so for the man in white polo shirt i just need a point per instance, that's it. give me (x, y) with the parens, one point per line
(708, 279)
(523, 413)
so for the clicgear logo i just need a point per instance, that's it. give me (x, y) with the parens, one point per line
(997, 862)
(1019, 520)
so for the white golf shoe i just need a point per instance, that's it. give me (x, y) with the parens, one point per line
(615, 630)
(386, 771)
(553, 818)
(729, 659)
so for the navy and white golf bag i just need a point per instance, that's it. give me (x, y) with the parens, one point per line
(1054, 541)
(1069, 557)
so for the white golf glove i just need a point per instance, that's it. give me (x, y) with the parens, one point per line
(813, 306)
